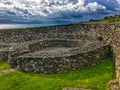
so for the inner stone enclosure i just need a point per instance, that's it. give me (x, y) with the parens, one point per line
(58, 49)
(57, 56)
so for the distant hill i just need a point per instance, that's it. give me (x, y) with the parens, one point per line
(108, 19)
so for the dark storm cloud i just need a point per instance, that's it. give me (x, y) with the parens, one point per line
(55, 11)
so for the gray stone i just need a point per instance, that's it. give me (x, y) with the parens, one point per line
(30, 42)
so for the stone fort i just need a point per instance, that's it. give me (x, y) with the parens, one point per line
(62, 48)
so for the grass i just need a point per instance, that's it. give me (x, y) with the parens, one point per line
(109, 19)
(3, 65)
(95, 77)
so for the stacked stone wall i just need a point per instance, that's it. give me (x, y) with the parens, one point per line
(108, 33)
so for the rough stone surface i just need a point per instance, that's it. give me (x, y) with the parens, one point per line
(4, 50)
(114, 85)
(107, 33)
(58, 64)
(4, 54)
(57, 56)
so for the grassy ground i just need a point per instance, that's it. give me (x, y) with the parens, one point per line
(3, 65)
(95, 77)
(109, 19)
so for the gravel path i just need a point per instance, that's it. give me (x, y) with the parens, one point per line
(6, 71)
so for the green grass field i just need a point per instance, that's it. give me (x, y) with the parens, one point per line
(95, 77)
(3, 65)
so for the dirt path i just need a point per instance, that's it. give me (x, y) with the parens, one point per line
(6, 71)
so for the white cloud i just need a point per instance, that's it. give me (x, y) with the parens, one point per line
(47, 8)
(118, 1)
(56, 10)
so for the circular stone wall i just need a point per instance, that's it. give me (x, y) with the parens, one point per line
(56, 56)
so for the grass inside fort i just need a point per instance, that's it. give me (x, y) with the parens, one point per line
(3, 65)
(95, 77)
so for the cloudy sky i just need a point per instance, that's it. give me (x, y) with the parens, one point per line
(56, 11)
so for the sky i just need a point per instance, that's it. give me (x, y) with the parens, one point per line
(55, 11)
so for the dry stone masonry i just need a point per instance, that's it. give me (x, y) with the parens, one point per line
(58, 49)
